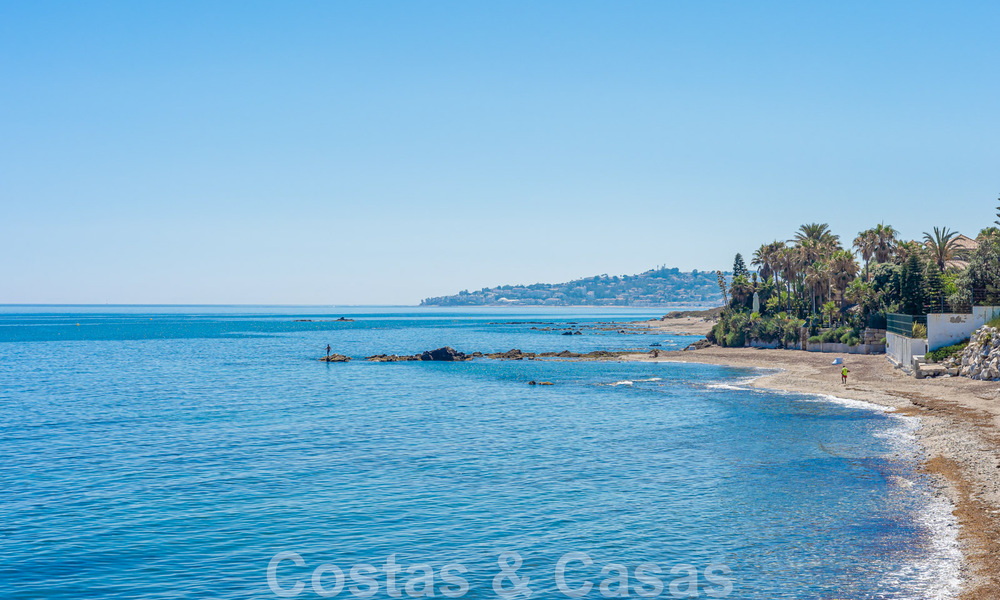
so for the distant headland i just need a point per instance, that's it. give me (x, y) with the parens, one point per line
(657, 287)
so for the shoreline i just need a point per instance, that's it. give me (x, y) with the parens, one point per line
(959, 433)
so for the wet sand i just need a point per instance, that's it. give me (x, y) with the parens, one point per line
(680, 325)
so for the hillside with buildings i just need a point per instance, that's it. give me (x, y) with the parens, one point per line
(656, 287)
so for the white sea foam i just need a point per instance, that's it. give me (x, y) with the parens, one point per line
(743, 383)
(937, 575)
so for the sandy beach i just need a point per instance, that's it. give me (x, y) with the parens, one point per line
(960, 430)
(681, 325)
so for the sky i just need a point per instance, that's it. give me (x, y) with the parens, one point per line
(383, 152)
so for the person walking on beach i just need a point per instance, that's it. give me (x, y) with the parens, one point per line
(328, 350)
(843, 375)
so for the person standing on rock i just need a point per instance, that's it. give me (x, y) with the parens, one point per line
(328, 350)
(843, 375)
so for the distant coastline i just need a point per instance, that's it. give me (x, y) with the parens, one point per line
(660, 287)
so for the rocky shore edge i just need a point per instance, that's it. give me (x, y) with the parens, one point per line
(449, 354)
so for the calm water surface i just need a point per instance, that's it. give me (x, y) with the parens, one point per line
(171, 453)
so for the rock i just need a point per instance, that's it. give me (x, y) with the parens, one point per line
(533, 382)
(444, 354)
(699, 345)
(335, 358)
(513, 354)
(391, 358)
(981, 358)
(563, 354)
(441, 354)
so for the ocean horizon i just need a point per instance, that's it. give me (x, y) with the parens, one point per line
(212, 455)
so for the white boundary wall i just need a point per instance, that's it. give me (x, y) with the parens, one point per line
(945, 329)
(981, 314)
(900, 349)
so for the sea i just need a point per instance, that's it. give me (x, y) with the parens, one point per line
(205, 452)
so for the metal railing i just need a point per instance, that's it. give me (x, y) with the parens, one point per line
(904, 325)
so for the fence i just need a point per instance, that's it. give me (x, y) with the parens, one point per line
(903, 324)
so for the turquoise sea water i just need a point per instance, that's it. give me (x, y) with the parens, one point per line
(174, 452)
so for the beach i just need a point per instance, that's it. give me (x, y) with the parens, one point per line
(959, 430)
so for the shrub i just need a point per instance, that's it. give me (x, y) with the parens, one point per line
(766, 330)
(883, 341)
(994, 322)
(919, 330)
(851, 340)
(717, 335)
(943, 353)
(735, 339)
(815, 339)
(791, 331)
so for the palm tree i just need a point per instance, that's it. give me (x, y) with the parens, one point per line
(943, 245)
(843, 269)
(765, 258)
(816, 231)
(885, 242)
(810, 251)
(786, 263)
(865, 244)
(904, 250)
(741, 291)
(815, 276)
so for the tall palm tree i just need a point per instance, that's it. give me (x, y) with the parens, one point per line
(865, 245)
(765, 258)
(843, 270)
(943, 245)
(815, 277)
(885, 242)
(816, 231)
(786, 264)
(810, 251)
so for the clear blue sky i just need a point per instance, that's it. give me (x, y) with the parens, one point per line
(381, 152)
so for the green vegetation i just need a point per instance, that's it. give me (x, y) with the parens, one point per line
(654, 287)
(943, 353)
(811, 280)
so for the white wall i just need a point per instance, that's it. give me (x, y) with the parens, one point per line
(945, 329)
(981, 314)
(901, 350)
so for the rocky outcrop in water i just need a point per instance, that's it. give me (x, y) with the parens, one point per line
(335, 358)
(446, 354)
(513, 354)
(981, 358)
(450, 354)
